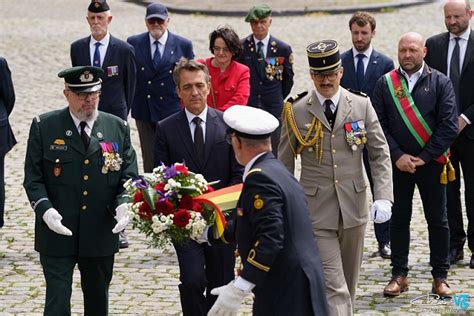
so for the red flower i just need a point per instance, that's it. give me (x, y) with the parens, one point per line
(160, 187)
(145, 212)
(138, 197)
(186, 202)
(182, 169)
(209, 189)
(181, 218)
(164, 207)
(197, 207)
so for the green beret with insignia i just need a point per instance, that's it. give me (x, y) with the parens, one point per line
(323, 56)
(98, 6)
(82, 78)
(258, 12)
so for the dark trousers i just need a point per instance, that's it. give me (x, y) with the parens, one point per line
(2, 188)
(462, 155)
(433, 197)
(202, 268)
(146, 133)
(382, 230)
(96, 274)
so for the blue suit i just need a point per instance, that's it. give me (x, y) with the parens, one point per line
(118, 80)
(378, 65)
(7, 139)
(201, 266)
(155, 94)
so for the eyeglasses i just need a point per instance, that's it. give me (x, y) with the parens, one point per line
(320, 77)
(228, 137)
(83, 95)
(155, 21)
(221, 49)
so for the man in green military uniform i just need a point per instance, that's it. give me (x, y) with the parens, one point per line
(76, 163)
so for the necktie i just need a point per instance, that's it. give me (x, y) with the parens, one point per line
(198, 138)
(261, 59)
(360, 70)
(97, 55)
(157, 55)
(85, 138)
(260, 50)
(328, 112)
(454, 71)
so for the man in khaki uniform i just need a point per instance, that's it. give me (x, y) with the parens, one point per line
(329, 127)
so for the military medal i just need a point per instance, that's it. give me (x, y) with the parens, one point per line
(111, 160)
(57, 169)
(355, 134)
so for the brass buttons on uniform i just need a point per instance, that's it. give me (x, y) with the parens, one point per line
(149, 82)
(84, 207)
(333, 151)
(336, 181)
(335, 166)
(148, 96)
(86, 177)
(332, 135)
(86, 162)
(85, 193)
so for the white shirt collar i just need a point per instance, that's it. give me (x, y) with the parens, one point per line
(105, 41)
(416, 74)
(464, 36)
(249, 165)
(90, 123)
(335, 98)
(190, 116)
(162, 39)
(367, 52)
(264, 41)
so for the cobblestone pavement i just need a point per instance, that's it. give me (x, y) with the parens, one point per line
(35, 38)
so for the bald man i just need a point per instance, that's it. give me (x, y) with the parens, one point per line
(458, 64)
(417, 146)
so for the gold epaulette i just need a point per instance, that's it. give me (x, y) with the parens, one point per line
(254, 170)
(315, 128)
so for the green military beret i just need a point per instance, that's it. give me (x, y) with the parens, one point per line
(259, 11)
(82, 78)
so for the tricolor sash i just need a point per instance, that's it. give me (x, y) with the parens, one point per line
(413, 119)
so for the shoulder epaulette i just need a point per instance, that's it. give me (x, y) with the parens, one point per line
(358, 92)
(37, 118)
(292, 100)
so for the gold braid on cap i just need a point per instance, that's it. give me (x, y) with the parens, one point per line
(315, 128)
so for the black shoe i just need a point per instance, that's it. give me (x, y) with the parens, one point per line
(385, 251)
(455, 255)
(471, 264)
(123, 242)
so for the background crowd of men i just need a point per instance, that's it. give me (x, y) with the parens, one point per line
(409, 126)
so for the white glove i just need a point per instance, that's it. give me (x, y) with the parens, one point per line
(228, 301)
(381, 211)
(52, 218)
(203, 237)
(122, 218)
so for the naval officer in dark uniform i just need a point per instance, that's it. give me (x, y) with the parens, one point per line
(77, 160)
(281, 262)
(270, 61)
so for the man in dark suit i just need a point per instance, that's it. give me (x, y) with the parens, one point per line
(157, 52)
(452, 53)
(417, 146)
(7, 139)
(196, 135)
(114, 56)
(281, 262)
(78, 199)
(363, 66)
(270, 61)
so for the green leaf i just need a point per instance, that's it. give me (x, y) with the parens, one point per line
(150, 196)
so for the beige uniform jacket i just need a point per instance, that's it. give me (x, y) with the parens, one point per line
(338, 184)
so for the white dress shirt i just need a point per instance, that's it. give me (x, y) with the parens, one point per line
(102, 48)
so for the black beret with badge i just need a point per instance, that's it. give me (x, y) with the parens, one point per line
(323, 56)
(258, 12)
(82, 78)
(250, 122)
(98, 6)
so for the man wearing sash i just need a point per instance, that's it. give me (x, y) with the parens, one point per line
(417, 109)
(329, 128)
(452, 53)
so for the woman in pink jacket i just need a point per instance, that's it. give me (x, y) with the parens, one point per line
(229, 79)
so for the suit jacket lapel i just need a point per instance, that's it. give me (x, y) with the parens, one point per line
(444, 54)
(170, 47)
(71, 133)
(211, 127)
(343, 109)
(314, 107)
(371, 67)
(108, 54)
(469, 52)
(186, 138)
(145, 49)
(349, 72)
